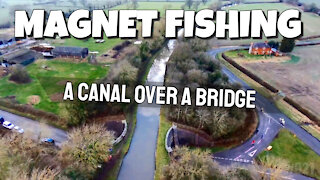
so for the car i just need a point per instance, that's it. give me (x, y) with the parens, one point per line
(18, 129)
(1, 120)
(8, 125)
(282, 121)
(48, 141)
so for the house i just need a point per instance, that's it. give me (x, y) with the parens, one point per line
(260, 49)
(23, 57)
(74, 52)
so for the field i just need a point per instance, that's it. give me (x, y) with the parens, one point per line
(310, 21)
(48, 83)
(297, 78)
(311, 1)
(292, 151)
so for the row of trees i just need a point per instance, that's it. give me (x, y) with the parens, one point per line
(25, 158)
(190, 66)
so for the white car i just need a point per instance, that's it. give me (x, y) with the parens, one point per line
(18, 129)
(8, 125)
(282, 121)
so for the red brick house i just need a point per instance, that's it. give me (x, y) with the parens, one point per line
(260, 49)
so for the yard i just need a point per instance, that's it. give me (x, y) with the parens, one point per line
(291, 150)
(48, 81)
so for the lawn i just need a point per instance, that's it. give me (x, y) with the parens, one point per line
(162, 157)
(300, 157)
(245, 54)
(46, 83)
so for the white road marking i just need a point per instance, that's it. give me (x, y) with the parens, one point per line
(266, 131)
(251, 154)
(249, 149)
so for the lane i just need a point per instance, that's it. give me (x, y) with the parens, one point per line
(35, 129)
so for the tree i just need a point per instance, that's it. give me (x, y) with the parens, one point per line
(134, 4)
(75, 112)
(273, 44)
(287, 45)
(196, 5)
(19, 75)
(144, 51)
(87, 147)
(204, 1)
(191, 164)
(189, 3)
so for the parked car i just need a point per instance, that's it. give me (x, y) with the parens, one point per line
(1, 120)
(48, 141)
(18, 129)
(8, 125)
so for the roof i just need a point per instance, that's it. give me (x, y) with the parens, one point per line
(261, 45)
(20, 56)
(68, 49)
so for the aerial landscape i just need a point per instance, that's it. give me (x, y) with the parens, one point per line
(46, 136)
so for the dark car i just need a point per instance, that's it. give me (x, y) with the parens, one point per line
(1, 120)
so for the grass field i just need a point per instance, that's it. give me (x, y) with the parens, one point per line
(317, 2)
(50, 82)
(297, 78)
(300, 157)
(310, 21)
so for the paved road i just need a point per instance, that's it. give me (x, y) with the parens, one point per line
(34, 128)
(268, 127)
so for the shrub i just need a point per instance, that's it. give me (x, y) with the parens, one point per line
(287, 45)
(19, 75)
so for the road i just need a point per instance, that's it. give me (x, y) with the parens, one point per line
(268, 126)
(36, 129)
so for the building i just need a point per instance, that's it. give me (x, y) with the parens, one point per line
(260, 49)
(23, 57)
(7, 42)
(74, 52)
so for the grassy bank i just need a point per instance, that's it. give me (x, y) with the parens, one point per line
(162, 157)
(299, 157)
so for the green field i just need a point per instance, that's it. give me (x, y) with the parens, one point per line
(317, 2)
(50, 81)
(310, 21)
(300, 158)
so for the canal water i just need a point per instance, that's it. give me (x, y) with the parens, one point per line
(139, 163)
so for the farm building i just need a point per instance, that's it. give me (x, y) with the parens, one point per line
(75, 52)
(260, 49)
(23, 57)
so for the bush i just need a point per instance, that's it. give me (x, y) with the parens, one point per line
(19, 75)
(287, 45)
